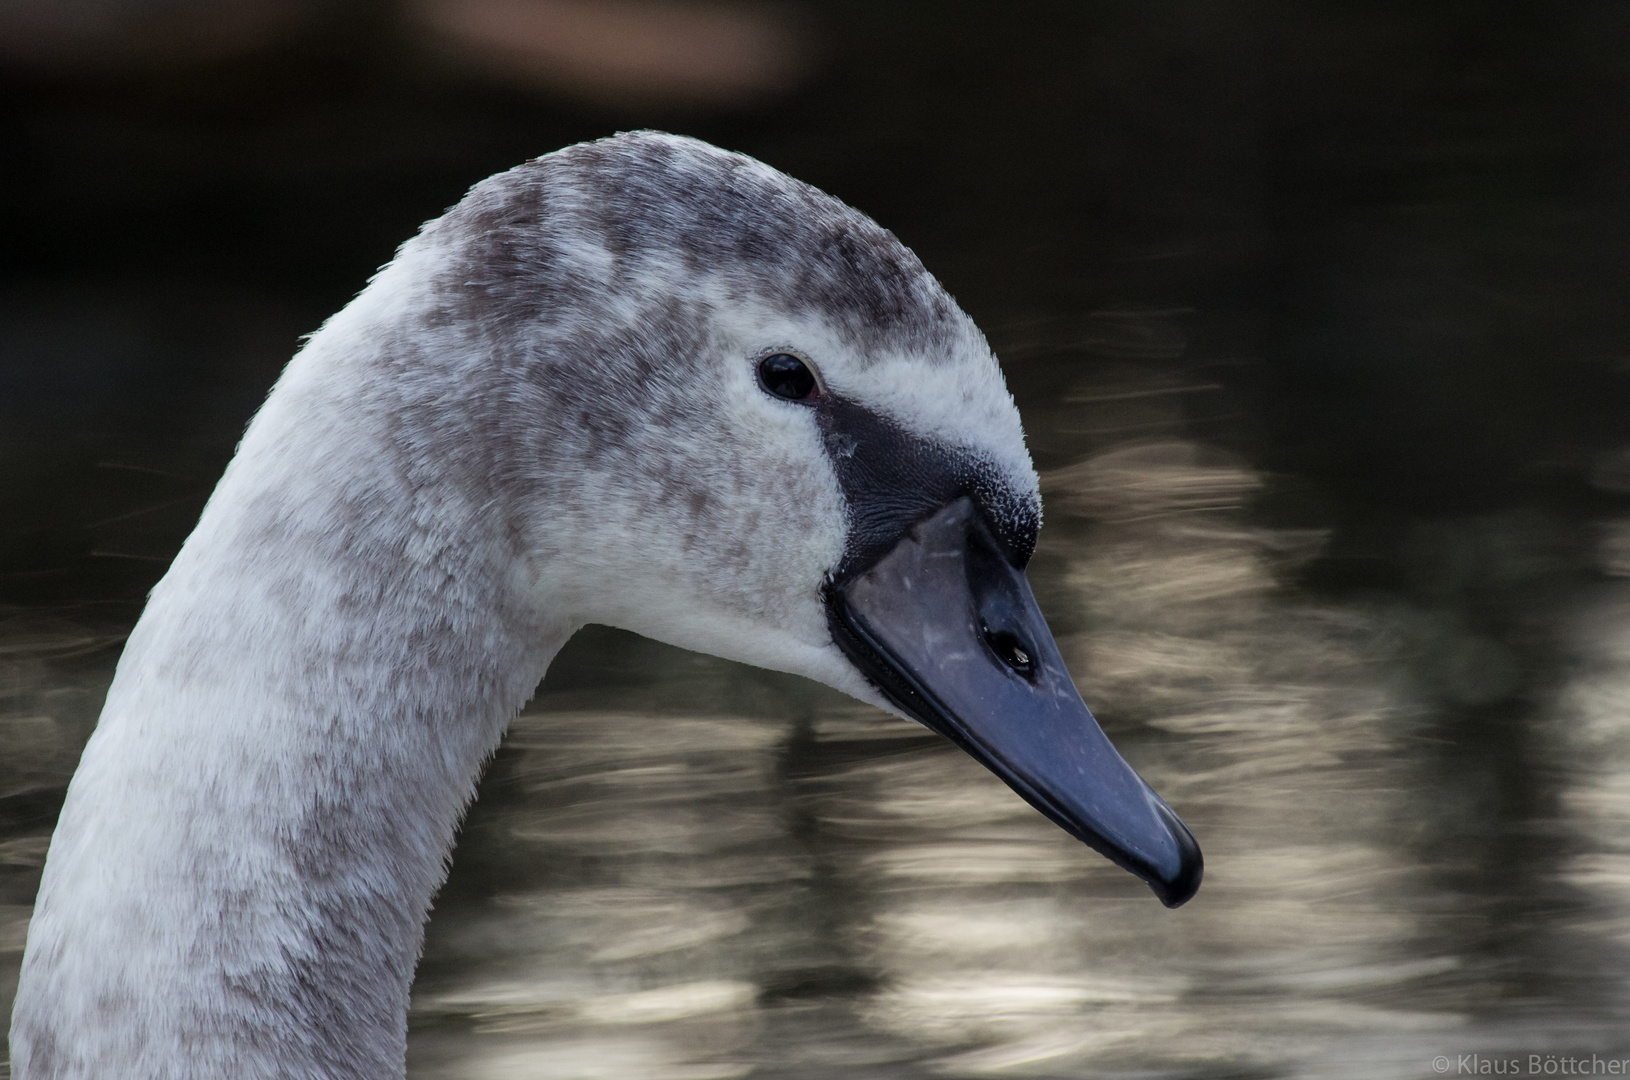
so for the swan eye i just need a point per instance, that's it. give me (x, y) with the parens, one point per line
(1012, 652)
(786, 376)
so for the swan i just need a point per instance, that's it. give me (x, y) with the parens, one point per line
(640, 381)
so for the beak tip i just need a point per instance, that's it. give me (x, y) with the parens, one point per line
(1178, 888)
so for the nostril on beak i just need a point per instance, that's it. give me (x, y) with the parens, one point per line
(1011, 651)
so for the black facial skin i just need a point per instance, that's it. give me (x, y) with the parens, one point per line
(893, 479)
(931, 603)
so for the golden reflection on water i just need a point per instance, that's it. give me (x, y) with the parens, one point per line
(1591, 729)
(669, 878)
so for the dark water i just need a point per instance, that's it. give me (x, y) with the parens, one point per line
(1316, 317)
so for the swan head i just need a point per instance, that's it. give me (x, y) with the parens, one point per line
(710, 404)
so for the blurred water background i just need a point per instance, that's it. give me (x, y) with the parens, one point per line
(1318, 314)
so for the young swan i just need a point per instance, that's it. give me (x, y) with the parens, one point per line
(641, 382)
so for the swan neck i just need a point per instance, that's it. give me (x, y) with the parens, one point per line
(247, 854)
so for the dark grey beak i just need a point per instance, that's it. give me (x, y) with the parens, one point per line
(949, 630)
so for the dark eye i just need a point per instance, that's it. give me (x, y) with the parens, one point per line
(1013, 652)
(786, 376)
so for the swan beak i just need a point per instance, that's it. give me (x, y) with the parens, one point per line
(948, 629)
